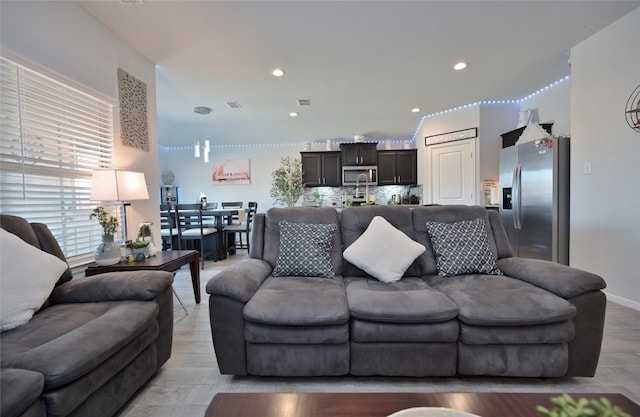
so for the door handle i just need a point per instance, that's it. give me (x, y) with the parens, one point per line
(516, 196)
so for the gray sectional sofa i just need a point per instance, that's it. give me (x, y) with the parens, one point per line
(447, 312)
(93, 343)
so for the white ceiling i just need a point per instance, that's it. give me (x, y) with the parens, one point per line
(363, 64)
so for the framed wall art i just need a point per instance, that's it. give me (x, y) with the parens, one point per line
(231, 171)
(132, 94)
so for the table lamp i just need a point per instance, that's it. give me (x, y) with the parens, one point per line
(120, 187)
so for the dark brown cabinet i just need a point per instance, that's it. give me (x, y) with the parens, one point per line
(359, 153)
(398, 167)
(321, 169)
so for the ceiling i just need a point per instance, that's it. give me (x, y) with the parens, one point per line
(362, 64)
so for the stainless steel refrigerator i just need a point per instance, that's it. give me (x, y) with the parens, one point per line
(534, 208)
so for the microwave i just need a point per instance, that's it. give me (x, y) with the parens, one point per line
(355, 175)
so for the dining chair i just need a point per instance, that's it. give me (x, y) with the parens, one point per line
(194, 233)
(169, 228)
(245, 227)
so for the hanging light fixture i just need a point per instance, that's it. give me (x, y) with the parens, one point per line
(196, 149)
(207, 149)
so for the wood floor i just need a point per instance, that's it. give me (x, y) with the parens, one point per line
(189, 380)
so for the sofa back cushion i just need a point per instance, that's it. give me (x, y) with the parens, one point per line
(355, 220)
(445, 214)
(314, 215)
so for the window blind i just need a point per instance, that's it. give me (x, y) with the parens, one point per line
(52, 136)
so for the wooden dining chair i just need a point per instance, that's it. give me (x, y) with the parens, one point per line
(243, 228)
(169, 228)
(194, 234)
(232, 205)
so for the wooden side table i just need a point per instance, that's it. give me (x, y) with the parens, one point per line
(169, 261)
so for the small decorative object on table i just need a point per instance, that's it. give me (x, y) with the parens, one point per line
(565, 406)
(107, 252)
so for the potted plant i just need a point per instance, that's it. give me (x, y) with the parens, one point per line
(141, 247)
(565, 406)
(107, 252)
(286, 184)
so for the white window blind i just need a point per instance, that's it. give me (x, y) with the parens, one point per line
(52, 136)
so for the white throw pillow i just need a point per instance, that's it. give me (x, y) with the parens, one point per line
(27, 279)
(383, 251)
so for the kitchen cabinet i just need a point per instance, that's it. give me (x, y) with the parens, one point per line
(359, 153)
(398, 167)
(321, 169)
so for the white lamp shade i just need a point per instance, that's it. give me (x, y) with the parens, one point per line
(116, 185)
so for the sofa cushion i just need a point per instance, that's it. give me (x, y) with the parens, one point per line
(562, 332)
(66, 341)
(462, 248)
(305, 250)
(383, 251)
(491, 300)
(28, 277)
(410, 300)
(298, 301)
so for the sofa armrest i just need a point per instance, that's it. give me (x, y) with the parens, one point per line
(113, 286)
(564, 281)
(20, 390)
(241, 280)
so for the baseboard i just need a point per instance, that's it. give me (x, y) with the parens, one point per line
(623, 301)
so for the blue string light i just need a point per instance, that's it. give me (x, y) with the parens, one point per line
(400, 141)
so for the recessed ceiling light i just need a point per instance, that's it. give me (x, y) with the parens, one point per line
(415, 110)
(202, 110)
(277, 72)
(460, 66)
(293, 114)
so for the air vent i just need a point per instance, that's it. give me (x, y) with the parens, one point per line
(234, 104)
(304, 102)
(202, 110)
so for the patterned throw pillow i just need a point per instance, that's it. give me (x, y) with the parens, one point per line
(305, 250)
(462, 248)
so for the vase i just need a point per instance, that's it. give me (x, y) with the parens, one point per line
(107, 252)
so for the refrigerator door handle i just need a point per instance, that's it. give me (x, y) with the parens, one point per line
(515, 198)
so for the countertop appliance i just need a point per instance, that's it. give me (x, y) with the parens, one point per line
(534, 183)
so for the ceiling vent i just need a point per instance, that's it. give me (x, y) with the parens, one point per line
(234, 104)
(304, 102)
(202, 110)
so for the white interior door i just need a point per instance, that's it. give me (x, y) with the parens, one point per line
(453, 172)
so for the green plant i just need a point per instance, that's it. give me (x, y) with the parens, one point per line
(144, 231)
(137, 244)
(108, 223)
(317, 195)
(565, 406)
(286, 182)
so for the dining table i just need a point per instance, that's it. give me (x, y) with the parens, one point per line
(222, 217)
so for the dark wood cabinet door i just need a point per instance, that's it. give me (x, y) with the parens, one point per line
(407, 167)
(368, 154)
(312, 169)
(331, 169)
(387, 167)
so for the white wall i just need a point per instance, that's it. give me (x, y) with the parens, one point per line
(605, 206)
(62, 40)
